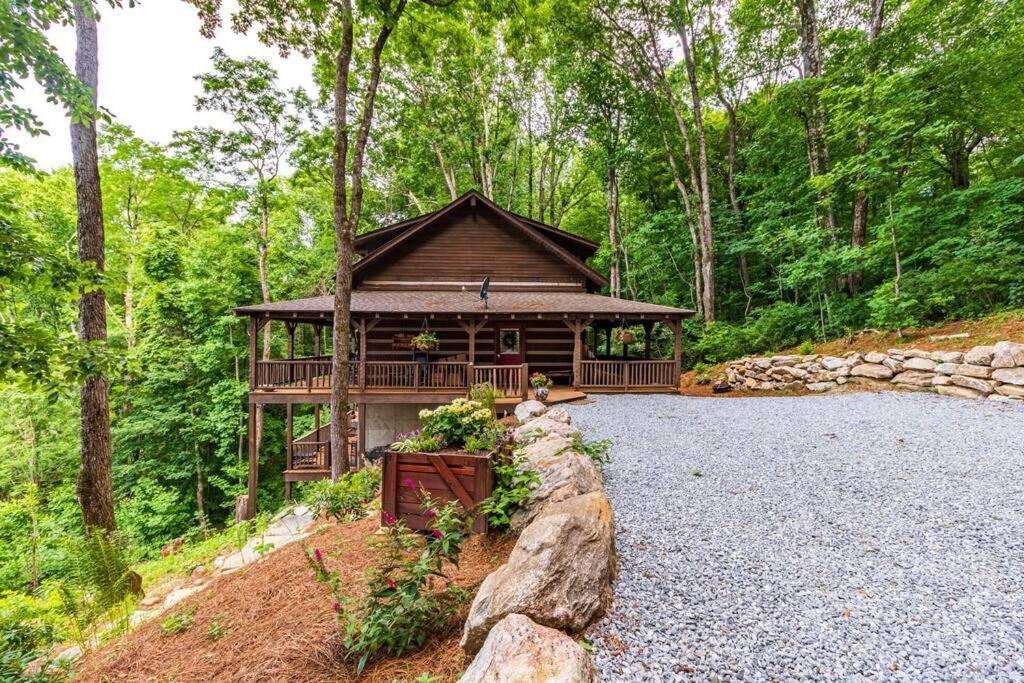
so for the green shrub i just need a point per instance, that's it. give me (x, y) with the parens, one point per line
(513, 481)
(179, 622)
(28, 626)
(346, 498)
(218, 629)
(456, 420)
(721, 342)
(417, 442)
(806, 347)
(595, 450)
(402, 607)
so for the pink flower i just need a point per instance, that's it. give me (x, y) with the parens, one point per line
(437, 533)
(431, 514)
(410, 483)
(391, 583)
(337, 607)
(389, 519)
(317, 555)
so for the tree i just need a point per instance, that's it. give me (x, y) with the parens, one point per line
(267, 125)
(95, 481)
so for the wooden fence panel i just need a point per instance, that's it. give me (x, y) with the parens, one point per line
(465, 478)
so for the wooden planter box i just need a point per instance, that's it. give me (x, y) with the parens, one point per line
(454, 475)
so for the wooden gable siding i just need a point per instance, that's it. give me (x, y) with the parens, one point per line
(548, 342)
(469, 245)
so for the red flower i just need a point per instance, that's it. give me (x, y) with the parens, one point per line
(317, 555)
(389, 519)
(337, 607)
(431, 513)
(391, 583)
(437, 533)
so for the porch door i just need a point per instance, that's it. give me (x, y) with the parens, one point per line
(509, 344)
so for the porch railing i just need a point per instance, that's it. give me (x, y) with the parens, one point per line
(628, 374)
(510, 380)
(312, 451)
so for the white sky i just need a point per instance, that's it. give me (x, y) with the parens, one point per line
(148, 57)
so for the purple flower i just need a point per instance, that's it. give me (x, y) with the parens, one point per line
(337, 607)
(437, 533)
(317, 555)
(410, 483)
(389, 518)
(431, 514)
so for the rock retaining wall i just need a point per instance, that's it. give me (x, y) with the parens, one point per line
(994, 372)
(558, 577)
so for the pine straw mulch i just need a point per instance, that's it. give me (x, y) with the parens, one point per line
(280, 621)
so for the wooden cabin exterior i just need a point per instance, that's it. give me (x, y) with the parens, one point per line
(543, 314)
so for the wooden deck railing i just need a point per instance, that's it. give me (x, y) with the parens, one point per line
(627, 374)
(510, 380)
(309, 374)
(312, 450)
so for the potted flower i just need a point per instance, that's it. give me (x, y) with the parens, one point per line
(624, 336)
(424, 341)
(541, 385)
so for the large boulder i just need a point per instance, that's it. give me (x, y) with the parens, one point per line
(528, 410)
(541, 426)
(980, 355)
(559, 573)
(832, 363)
(562, 476)
(914, 377)
(1007, 354)
(1009, 376)
(559, 414)
(918, 363)
(1010, 390)
(968, 370)
(872, 371)
(519, 650)
(546, 446)
(959, 392)
(982, 386)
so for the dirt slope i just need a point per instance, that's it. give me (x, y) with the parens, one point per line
(279, 622)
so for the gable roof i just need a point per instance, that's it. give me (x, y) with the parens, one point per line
(576, 248)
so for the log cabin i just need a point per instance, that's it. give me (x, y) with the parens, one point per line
(542, 313)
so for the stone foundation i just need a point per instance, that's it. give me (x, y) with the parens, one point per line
(994, 372)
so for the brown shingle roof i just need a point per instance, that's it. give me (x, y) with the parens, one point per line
(468, 303)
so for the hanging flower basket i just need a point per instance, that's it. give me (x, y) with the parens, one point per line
(624, 336)
(424, 341)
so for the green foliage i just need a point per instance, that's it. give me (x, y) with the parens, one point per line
(28, 625)
(455, 421)
(540, 380)
(344, 499)
(513, 481)
(218, 629)
(424, 341)
(179, 622)
(595, 450)
(486, 395)
(417, 442)
(402, 606)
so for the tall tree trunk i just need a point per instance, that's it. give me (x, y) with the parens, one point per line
(859, 228)
(95, 480)
(346, 216)
(816, 124)
(264, 234)
(612, 202)
(684, 29)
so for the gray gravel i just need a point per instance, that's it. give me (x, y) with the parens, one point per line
(846, 537)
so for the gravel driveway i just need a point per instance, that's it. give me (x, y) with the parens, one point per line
(845, 537)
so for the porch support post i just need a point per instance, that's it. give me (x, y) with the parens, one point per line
(677, 355)
(289, 436)
(316, 339)
(253, 333)
(254, 464)
(471, 328)
(577, 349)
(648, 328)
(361, 437)
(290, 326)
(362, 361)
(608, 341)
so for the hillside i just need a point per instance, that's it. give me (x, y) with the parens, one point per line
(273, 621)
(959, 335)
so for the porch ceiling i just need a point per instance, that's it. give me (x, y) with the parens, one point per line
(427, 302)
